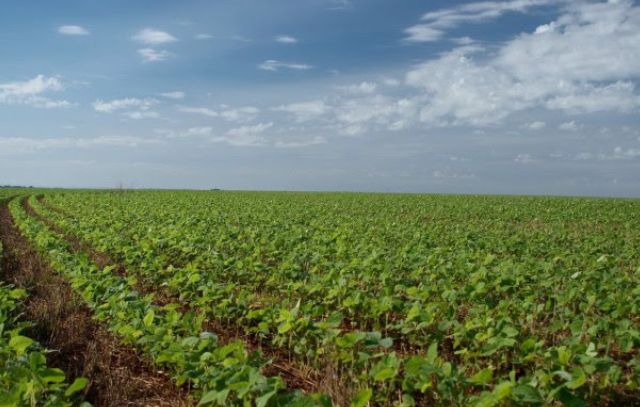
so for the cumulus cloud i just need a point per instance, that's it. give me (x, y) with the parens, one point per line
(435, 24)
(30, 92)
(132, 108)
(304, 111)
(569, 126)
(286, 39)
(142, 114)
(73, 30)
(121, 104)
(249, 130)
(537, 125)
(274, 66)
(244, 136)
(362, 87)
(198, 110)
(240, 114)
(150, 36)
(585, 63)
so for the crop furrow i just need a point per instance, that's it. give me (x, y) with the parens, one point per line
(117, 374)
(295, 377)
(220, 374)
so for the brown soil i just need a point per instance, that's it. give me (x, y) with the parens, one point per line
(118, 375)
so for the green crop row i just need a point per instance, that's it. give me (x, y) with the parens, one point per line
(25, 378)
(530, 299)
(221, 374)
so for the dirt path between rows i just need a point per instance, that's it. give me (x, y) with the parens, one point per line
(118, 375)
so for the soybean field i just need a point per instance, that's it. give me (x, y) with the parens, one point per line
(318, 299)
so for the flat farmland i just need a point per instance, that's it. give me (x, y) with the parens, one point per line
(286, 298)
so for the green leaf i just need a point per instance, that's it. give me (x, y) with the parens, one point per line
(362, 398)
(264, 399)
(214, 397)
(148, 319)
(20, 344)
(384, 374)
(432, 353)
(284, 327)
(79, 384)
(578, 379)
(482, 377)
(526, 394)
(51, 375)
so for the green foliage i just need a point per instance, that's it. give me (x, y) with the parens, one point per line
(25, 379)
(449, 299)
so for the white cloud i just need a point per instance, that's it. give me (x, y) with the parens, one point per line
(249, 130)
(240, 114)
(34, 86)
(423, 33)
(392, 82)
(360, 114)
(286, 39)
(151, 36)
(618, 153)
(203, 36)
(245, 136)
(274, 66)
(25, 145)
(73, 30)
(304, 111)
(626, 154)
(198, 132)
(588, 98)
(301, 143)
(132, 108)
(176, 94)
(153, 55)
(122, 104)
(523, 159)
(198, 110)
(464, 41)
(137, 115)
(340, 4)
(435, 24)
(457, 90)
(190, 133)
(362, 87)
(569, 126)
(589, 42)
(537, 125)
(585, 64)
(30, 92)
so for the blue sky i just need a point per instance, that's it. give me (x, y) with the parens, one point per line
(514, 96)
